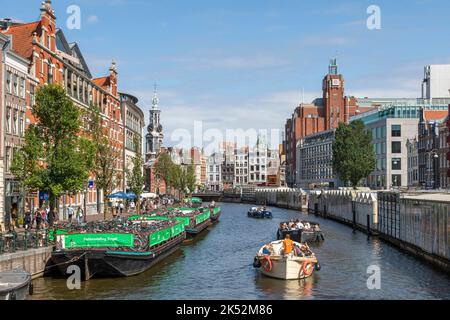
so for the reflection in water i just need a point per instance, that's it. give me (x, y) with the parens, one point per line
(218, 265)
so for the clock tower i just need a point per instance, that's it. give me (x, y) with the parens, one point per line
(154, 137)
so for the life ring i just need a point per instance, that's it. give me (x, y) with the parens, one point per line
(308, 268)
(267, 264)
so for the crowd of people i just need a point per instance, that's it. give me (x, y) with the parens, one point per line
(299, 225)
(289, 248)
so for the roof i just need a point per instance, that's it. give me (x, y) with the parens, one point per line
(430, 115)
(103, 82)
(22, 36)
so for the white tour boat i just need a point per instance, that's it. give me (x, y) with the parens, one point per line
(286, 267)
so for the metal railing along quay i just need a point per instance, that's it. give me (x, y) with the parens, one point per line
(12, 242)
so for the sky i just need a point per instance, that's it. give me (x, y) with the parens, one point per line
(247, 64)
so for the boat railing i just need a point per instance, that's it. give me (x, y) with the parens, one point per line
(11, 242)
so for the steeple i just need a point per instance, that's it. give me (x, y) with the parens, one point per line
(46, 8)
(155, 100)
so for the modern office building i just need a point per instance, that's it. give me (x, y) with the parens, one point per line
(392, 126)
(315, 160)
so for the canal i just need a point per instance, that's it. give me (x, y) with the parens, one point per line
(218, 265)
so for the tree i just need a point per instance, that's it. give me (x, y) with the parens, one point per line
(190, 178)
(353, 154)
(135, 177)
(106, 158)
(55, 158)
(164, 170)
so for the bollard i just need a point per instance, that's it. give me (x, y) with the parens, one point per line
(354, 220)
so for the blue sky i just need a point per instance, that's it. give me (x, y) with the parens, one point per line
(243, 64)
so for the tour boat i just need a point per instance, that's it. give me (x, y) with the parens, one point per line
(15, 285)
(312, 234)
(215, 214)
(259, 213)
(114, 253)
(194, 202)
(286, 267)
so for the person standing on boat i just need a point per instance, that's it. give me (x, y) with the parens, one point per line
(288, 245)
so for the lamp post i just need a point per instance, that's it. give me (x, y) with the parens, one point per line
(431, 166)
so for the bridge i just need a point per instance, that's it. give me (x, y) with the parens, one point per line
(209, 196)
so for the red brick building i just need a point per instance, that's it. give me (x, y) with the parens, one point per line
(54, 60)
(322, 114)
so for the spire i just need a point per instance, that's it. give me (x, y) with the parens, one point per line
(155, 101)
(333, 67)
(46, 7)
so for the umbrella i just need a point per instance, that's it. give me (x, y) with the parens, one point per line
(131, 195)
(118, 195)
(149, 195)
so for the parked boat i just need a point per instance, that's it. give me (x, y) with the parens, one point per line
(259, 213)
(194, 202)
(301, 231)
(117, 250)
(15, 285)
(287, 267)
(215, 214)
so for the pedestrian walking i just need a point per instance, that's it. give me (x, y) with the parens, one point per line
(70, 213)
(38, 219)
(27, 220)
(121, 206)
(79, 215)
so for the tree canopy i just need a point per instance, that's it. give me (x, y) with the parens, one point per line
(353, 154)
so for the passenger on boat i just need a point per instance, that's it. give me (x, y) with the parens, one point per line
(288, 245)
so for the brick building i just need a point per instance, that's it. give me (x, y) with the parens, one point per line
(52, 59)
(3, 41)
(321, 115)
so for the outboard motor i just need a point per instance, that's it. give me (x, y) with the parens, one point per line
(317, 267)
(256, 263)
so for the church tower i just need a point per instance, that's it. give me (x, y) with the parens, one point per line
(154, 137)
(333, 97)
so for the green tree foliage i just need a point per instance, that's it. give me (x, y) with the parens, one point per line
(55, 158)
(135, 177)
(164, 170)
(353, 154)
(106, 158)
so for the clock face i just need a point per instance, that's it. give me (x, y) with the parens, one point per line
(160, 128)
(150, 128)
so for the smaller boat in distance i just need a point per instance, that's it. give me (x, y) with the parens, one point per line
(259, 213)
(15, 285)
(272, 262)
(301, 231)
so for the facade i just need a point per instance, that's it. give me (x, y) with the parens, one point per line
(436, 83)
(413, 163)
(133, 126)
(197, 162)
(322, 114)
(444, 166)
(273, 168)
(214, 172)
(52, 59)
(228, 165)
(257, 159)
(241, 167)
(392, 126)
(17, 88)
(282, 168)
(428, 148)
(315, 160)
(3, 41)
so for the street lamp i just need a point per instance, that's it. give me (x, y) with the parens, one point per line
(433, 153)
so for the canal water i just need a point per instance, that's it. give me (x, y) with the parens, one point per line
(218, 265)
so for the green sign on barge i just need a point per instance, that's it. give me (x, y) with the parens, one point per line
(117, 250)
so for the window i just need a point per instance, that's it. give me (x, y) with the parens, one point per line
(396, 164)
(22, 124)
(396, 147)
(8, 159)
(15, 85)
(396, 130)
(396, 180)
(22, 88)
(8, 81)
(8, 120)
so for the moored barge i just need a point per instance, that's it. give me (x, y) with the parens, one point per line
(121, 251)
